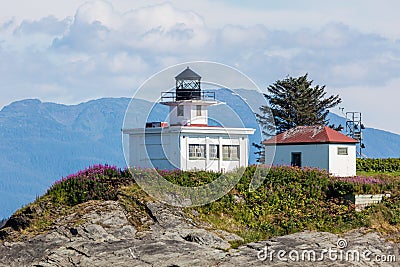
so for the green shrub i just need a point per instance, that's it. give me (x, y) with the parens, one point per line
(378, 165)
(290, 199)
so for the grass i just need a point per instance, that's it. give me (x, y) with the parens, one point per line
(375, 174)
(133, 199)
(37, 218)
(289, 200)
(385, 217)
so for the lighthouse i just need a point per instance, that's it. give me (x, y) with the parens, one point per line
(186, 141)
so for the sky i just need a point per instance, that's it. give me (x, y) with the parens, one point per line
(73, 51)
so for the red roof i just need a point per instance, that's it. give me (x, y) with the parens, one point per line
(308, 135)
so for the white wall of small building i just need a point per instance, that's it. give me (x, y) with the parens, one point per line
(321, 156)
(342, 165)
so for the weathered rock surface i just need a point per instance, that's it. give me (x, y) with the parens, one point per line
(101, 235)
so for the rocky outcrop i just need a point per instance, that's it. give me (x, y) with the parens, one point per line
(102, 234)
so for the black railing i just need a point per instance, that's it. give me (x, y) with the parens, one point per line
(187, 95)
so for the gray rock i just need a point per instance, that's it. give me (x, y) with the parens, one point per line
(227, 236)
(105, 237)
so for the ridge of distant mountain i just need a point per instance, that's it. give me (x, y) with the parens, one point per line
(41, 142)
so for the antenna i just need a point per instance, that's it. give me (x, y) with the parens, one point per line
(354, 129)
(342, 110)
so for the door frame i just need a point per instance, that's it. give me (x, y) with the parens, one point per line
(296, 159)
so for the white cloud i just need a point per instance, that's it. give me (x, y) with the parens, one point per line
(49, 25)
(367, 16)
(378, 104)
(163, 28)
(97, 11)
(102, 49)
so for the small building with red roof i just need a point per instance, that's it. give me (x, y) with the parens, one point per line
(313, 146)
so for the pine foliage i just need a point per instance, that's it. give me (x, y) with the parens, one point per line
(295, 102)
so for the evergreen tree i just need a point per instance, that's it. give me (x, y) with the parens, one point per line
(294, 102)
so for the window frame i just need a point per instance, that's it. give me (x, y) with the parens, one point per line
(343, 151)
(199, 153)
(228, 155)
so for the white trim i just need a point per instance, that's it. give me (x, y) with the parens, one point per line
(190, 129)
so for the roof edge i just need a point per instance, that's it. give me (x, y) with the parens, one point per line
(308, 143)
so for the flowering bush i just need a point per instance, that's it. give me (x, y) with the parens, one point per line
(340, 186)
(99, 182)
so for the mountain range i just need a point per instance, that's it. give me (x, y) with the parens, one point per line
(42, 142)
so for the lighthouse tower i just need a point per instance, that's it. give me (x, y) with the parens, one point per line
(187, 142)
(188, 104)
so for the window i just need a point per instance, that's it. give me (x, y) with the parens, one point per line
(197, 151)
(180, 111)
(214, 151)
(230, 152)
(342, 151)
(198, 110)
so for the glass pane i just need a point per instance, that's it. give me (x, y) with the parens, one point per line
(197, 151)
(225, 152)
(342, 151)
(180, 111)
(214, 151)
(230, 152)
(198, 110)
(234, 152)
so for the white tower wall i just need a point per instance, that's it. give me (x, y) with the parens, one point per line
(189, 112)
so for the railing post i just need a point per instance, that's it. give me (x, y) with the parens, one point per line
(204, 95)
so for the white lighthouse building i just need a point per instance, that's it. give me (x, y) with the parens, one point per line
(187, 142)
